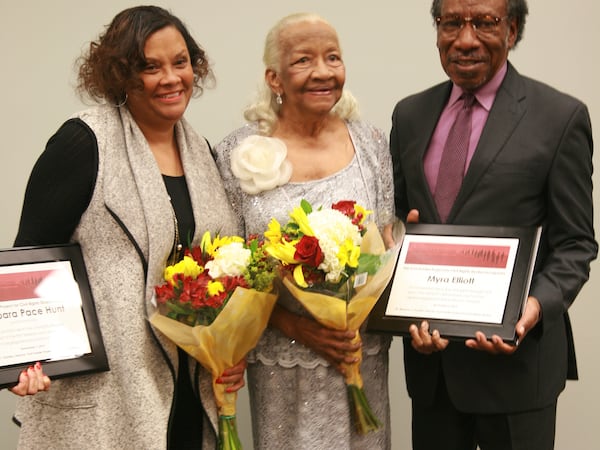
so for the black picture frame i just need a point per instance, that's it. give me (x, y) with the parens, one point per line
(450, 328)
(94, 361)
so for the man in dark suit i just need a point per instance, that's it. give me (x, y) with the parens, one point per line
(528, 163)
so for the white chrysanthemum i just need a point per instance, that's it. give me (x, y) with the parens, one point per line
(331, 264)
(260, 163)
(229, 260)
(332, 228)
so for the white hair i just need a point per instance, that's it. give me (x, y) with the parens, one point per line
(264, 109)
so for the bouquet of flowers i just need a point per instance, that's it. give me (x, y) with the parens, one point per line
(214, 304)
(336, 267)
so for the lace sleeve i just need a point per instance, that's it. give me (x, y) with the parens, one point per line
(373, 150)
(385, 187)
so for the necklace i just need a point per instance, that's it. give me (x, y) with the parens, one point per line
(177, 245)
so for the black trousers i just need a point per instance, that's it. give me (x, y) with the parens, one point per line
(440, 426)
(185, 428)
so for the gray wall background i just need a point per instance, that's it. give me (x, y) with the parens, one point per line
(389, 50)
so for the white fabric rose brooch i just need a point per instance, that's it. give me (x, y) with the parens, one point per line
(260, 163)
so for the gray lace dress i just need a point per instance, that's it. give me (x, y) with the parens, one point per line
(297, 400)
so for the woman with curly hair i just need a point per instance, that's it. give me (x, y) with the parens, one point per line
(131, 182)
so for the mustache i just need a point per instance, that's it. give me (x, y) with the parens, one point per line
(466, 56)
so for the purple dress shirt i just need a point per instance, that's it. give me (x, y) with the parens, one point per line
(481, 109)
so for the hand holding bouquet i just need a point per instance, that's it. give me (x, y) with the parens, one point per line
(336, 267)
(215, 304)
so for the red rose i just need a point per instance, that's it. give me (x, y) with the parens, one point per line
(308, 251)
(346, 207)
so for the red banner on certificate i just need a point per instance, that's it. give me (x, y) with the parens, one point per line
(457, 254)
(20, 285)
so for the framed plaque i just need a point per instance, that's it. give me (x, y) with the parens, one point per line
(461, 279)
(47, 314)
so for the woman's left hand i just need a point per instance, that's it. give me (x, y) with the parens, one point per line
(31, 381)
(234, 376)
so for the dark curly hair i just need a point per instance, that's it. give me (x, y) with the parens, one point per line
(515, 8)
(113, 63)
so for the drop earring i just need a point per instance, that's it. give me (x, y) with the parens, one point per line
(278, 99)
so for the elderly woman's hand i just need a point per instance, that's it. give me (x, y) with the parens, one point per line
(336, 346)
(388, 236)
(31, 381)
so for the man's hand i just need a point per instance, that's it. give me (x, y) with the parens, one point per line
(412, 216)
(425, 342)
(422, 340)
(531, 316)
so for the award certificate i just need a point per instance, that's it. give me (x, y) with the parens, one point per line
(47, 313)
(461, 279)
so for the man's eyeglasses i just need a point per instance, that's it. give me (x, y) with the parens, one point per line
(483, 25)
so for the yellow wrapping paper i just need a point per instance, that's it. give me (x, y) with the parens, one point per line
(224, 343)
(340, 314)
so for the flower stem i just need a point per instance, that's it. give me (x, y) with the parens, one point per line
(228, 435)
(362, 414)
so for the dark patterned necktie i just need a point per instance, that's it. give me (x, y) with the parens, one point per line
(454, 157)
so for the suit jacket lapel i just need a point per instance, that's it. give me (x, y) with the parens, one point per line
(507, 110)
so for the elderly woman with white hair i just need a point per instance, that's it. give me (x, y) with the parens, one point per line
(323, 153)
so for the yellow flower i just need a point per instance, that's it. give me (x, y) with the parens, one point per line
(299, 216)
(361, 210)
(283, 251)
(209, 246)
(215, 288)
(206, 243)
(348, 254)
(273, 234)
(353, 255)
(299, 276)
(187, 266)
(225, 240)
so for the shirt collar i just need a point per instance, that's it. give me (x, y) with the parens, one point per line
(486, 94)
